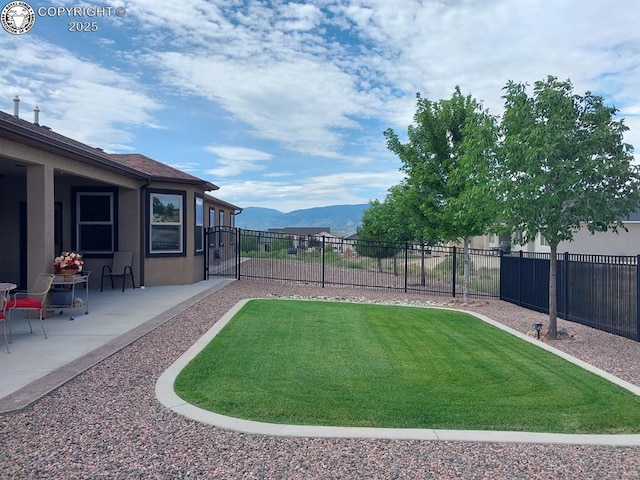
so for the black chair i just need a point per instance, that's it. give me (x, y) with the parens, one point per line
(120, 267)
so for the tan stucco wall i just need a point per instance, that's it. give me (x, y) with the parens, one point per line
(605, 243)
(44, 179)
(181, 269)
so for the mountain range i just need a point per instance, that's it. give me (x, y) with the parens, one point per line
(343, 220)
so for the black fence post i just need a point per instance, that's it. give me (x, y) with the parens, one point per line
(207, 252)
(520, 278)
(323, 256)
(238, 252)
(406, 265)
(565, 285)
(638, 298)
(453, 263)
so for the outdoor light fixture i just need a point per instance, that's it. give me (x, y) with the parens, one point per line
(538, 327)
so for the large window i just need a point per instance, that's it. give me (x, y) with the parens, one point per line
(166, 222)
(95, 221)
(199, 223)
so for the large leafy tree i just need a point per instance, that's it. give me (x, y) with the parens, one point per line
(449, 159)
(565, 167)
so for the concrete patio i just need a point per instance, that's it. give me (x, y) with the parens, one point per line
(37, 365)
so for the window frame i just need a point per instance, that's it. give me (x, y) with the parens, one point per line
(198, 205)
(182, 235)
(212, 225)
(221, 229)
(76, 203)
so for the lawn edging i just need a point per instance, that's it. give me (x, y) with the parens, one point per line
(166, 396)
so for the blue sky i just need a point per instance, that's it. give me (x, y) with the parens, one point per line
(283, 104)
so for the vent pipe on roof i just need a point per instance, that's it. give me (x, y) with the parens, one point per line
(16, 106)
(36, 115)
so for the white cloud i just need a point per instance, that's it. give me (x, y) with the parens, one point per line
(233, 161)
(78, 98)
(317, 82)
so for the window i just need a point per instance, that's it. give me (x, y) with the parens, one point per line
(212, 224)
(94, 213)
(199, 223)
(220, 224)
(543, 241)
(166, 222)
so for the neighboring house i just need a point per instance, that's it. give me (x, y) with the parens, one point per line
(302, 237)
(625, 242)
(59, 194)
(607, 243)
(494, 241)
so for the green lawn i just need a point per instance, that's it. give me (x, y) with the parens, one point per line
(326, 363)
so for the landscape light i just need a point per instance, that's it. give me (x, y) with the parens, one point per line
(538, 327)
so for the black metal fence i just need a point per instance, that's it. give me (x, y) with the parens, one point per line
(595, 290)
(600, 291)
(327, 260)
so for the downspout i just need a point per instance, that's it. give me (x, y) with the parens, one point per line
(143, 229)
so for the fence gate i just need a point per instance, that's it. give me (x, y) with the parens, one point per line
(222, 258)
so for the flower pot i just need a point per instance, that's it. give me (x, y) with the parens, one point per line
(68, 271)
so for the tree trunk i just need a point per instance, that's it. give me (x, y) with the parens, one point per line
(379, 265)
(467, 273)
(395, 264)
(552, 332)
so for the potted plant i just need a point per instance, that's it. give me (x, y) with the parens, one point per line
(68, 263)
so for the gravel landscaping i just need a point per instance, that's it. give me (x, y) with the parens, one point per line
(107, 423)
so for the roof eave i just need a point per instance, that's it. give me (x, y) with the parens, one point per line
(52, 145)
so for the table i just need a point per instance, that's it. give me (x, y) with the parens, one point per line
(5, 288)
(66, 284)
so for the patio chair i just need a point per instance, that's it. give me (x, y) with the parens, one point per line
(120, 267)
(33, 300)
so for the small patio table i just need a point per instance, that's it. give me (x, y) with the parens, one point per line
(67, 284)
(6, 287)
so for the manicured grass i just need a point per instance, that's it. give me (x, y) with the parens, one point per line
(326, 363)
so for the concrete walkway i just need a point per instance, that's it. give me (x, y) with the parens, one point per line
(36, 365)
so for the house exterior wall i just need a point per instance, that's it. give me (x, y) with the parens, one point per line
(43, 180)
(177, 269)
(48, 186)
(220, 248)
(605, 243)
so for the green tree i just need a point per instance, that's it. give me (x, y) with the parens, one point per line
(378, 231)
(565, 167)
(450, 161)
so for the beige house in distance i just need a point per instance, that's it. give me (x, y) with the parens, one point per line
(59, 194)
(624, 243)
